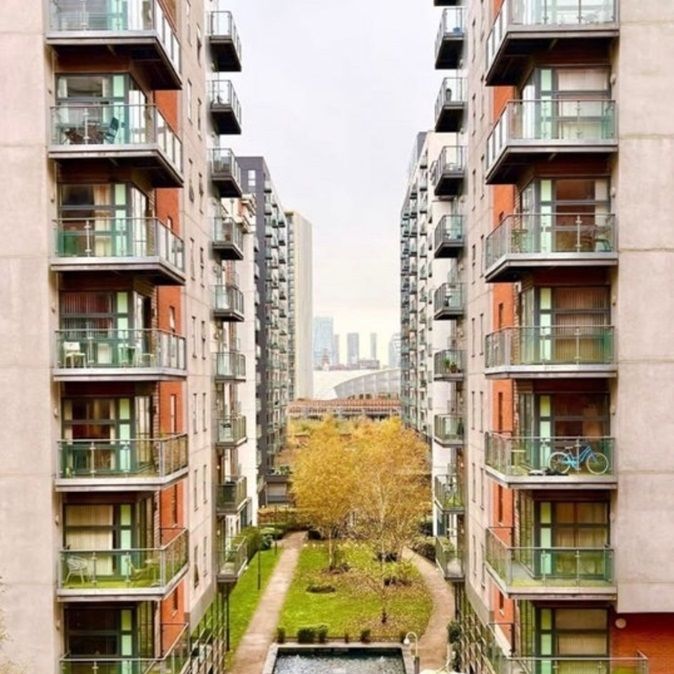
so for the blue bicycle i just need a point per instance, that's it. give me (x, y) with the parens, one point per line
(576, 457)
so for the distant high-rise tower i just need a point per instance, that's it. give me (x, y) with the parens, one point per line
(335, 350)
(323, 340)
(373, 345)
(394, 351)
(352, 349)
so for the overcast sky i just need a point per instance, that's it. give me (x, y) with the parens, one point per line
(333, 94)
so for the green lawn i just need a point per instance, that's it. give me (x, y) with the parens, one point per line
(352, 607)
(245, 595)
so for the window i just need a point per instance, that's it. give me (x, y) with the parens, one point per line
(188, 100)
(500, 411)
(188, 20)
(172, 319)
(482, 500)
(196, 565)
(473, 263)
(499, 504)
(194, 336)
(205, 557)
(501, 603)
(173, 414)
(481, 334)
(500, 315)
(472, 483)
(202, 261)
(194, 412)
(481, 411)
(175, 604)
(472, 410)
(195, 486)
(200, 44)
(174, 504)
(204, 483)
(204, 414)
(472, 338)
(482, 568)
(192, 264)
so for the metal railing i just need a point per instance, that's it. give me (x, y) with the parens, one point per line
(226, 230)
(452, 160)
(173, 662)
(227, 298)
(230, 429)
(448, 363)
(452, 90)
(221, 25)
(570, 665)
(229, 365)
(551, 234)
(548, 14)
(115, 124)
(449, 230)
(221, 93)
(540, 566)
(448, 558)
(231, 494)
(576, 345)
(121, 569)
(520, 456)
(140, 457)
(554, 121)
(448, 491)
(117, 348)
(108, 237)
(224, 164)
(233, 559)
(448, 297)
(452, 25)
(449, 428)
(126, 18)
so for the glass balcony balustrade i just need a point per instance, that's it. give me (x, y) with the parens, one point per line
(448, 492)
(229, 365)
(450, 105)
(450, 38)
(231, 495)
(232, 561)
(228, 236)
(448, 365)
(449, 236)
(449, 429)
(228, 301)
(448, 301)
(225, 172)
(224, 40)
(230, 430)
(225, 106)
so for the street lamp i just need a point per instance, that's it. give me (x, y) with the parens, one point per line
(415, 652)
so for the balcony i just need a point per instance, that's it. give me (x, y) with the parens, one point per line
(448, 493)
(448, 302)
(525, 28)
(450, 105)
(448, 559)
(113, 465)
(448, 237)
(228, 238)
(449, 430)
(448, 365)
(524, 243)
(228, 303)
(448, 171)
(132, 574)
(551, 351)
(176, 659)
(138, 246)
(229, 366)
(232, 562)
(231, 496)
(225, 172)
(120, 355)
(224, 42)
(132, 137)
(225, 107)
(529, 573)
(550, 463)
(140, 32)
(230, 431)
(450, 39)
(503, 664)
(531, 132)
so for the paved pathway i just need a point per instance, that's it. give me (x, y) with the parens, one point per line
(252, 651)
(433, 642)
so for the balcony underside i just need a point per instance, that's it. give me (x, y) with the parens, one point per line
(513, 266)
(121, 593)
(448, 376)
(520, 45)
(154, 269)
(134, 483)
(447, 3)
(147, 160)
(449, 184)
(449, 51)
(228, 250)
(538, 480)
(225, 120)
(226, 185)
(144, 49)
(117, 374)
(226, 58)
(228, 315)
(524, 587)
(450, 118)
(222, 510)
(230, 442)
(224, 378)
(516, 159)
(458, 508)
(552, 371)
(449, 249)
(449, 441)
(448, 314)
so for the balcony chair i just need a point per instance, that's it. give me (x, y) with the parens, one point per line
(72, 353)
(76, 566)
(111, 132)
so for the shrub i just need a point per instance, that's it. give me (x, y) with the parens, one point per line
(387, 557)
(322, 632)
(306, 635)
(321, 588)
(453, 632)
(280, 635)
(366, 635)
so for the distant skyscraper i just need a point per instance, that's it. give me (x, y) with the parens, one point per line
(352, 349)
(335, 350)
(323, 340)
(373, 346)
(394, 351)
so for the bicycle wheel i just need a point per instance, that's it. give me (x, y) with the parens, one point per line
(559, 463)
(597, 464)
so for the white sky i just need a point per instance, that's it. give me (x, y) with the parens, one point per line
(333, 93)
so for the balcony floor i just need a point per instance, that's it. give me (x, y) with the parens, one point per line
(118, 484)
(551, 371)
(449, 249)
(449, 184)
(225, 55)
(157, 270)
(226, 185)
(86, 374)
(228, 315)
(225, 120)
(450, 118)
(450, 51)
(538, 480)
(513, 266)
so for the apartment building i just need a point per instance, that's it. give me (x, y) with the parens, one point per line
(130, 348)
(550, 520)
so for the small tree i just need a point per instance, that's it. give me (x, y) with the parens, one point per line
(323, 483)
(392, 496)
